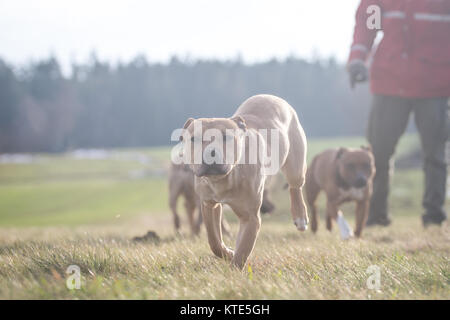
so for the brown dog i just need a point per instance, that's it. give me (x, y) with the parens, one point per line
(345, 175)
(239, 182)
(181, 183)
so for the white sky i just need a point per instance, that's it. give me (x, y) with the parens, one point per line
(121, 29)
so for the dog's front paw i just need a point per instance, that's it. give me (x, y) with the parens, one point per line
(228, 254)
(301, 224)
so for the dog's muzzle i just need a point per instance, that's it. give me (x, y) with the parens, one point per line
(211, 170)
(361, 182)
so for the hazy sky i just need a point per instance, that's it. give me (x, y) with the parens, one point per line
(119, 30)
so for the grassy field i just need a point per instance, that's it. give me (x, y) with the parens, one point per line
(84, 208)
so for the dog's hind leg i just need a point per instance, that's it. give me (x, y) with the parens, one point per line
(190, 210)
(294, 169)
(312, 191)
(174, 194)
(199, 221)
(362, 210)
(332, 213)
(298, 208)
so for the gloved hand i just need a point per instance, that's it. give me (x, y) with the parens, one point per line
(358, 72)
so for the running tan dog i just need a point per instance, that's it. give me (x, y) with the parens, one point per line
(240, 183)
(345, 175)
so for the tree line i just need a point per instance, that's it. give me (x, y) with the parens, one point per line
(139, 103)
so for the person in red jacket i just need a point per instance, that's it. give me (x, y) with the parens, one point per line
(409, 73)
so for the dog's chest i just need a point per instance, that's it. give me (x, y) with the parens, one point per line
(211, 192)
(351, 194)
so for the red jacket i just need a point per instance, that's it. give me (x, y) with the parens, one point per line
(413, 57)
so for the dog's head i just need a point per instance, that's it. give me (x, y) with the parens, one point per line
(214, 144)
(355, 167)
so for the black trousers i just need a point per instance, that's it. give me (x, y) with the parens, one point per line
(387, 122)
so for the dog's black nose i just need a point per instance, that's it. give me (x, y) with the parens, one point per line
(211, 169)
(212, 157)
(360, 182)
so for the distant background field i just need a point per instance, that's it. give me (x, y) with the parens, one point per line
(105, 186)
(84, 207)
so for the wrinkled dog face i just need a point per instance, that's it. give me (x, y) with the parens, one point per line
(356, 166)
(214, 144)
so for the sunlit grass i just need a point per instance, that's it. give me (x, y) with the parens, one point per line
(286, 264)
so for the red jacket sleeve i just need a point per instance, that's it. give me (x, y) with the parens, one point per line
(363, 37)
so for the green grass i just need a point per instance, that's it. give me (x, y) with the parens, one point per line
(78, 202)
(61, 190)
(60, 211)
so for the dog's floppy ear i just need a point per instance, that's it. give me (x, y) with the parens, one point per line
(340, 152)
(186, 125)
(240, 122)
